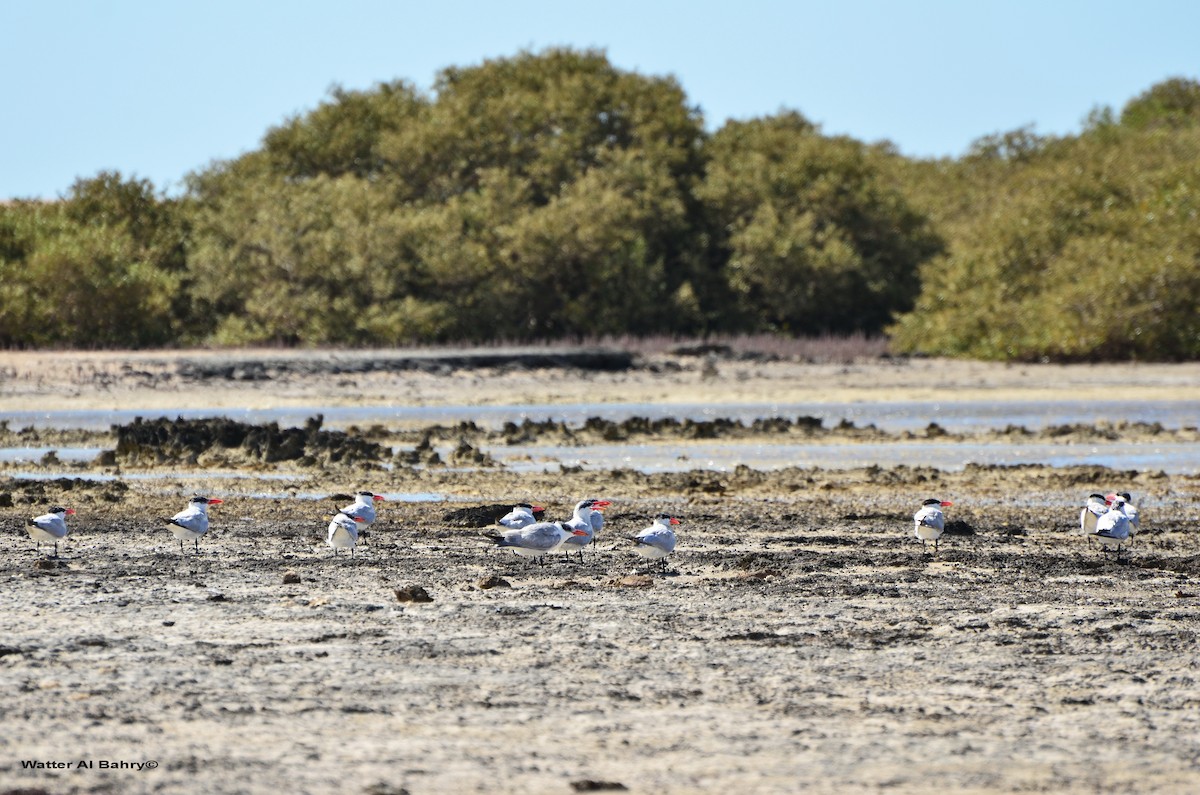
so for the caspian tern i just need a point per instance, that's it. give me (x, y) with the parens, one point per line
(581, 522)
(192, 522)
(50, 527)
(363, 507)
(522, 515)
(658, 540)
(1096, 507)
(535, 540)
(930, 522)
(1131, 510)
(343, 532)
(1113, 528)
(597, 524)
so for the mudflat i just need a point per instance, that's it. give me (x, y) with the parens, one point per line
(799, 639)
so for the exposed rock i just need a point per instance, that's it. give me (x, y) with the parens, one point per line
(164, 441)
(412, 593)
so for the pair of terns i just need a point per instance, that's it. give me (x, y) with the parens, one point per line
(192, 522)
(187, 525)
(348, 521)
(1111, 519)
(530, 538)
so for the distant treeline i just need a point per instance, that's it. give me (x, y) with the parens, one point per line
(551, 195)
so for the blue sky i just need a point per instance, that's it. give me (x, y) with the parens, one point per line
(155, 89)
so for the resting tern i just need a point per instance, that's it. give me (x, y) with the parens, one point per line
(50, 527)
(658, 540)
(522, 515)
(930, 522)
(535, 540)
(192, 522)
(343, 532)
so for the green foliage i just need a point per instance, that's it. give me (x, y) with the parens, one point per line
(1094, 256)
(344, 135)
(816, 242)
(538, 196)
(551, 195)
(102, 268)
(1171, 104)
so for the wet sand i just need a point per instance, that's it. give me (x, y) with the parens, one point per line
(798, 640)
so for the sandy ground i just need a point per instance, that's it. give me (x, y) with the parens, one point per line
(799, 640)
(31, 381)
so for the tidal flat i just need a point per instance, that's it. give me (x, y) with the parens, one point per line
(799, 639)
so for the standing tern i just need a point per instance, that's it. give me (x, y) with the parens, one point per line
(658, 540)
(581, 522)
(535, 540)
(363, 507)
(49, 527)
(343, 532)
(930, 522)
(1113, 528)
(1131, 510)
(597, 524)
(192, 522)
(1096, 507)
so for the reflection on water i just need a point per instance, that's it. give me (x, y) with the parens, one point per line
(889, 416)
(1172, 458)
(16, 455)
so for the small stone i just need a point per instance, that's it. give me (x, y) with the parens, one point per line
(44, 564)
(413, 593)
(291, 578)
(632, 581)
(383, 788)
(589, 785)
(493, 581)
